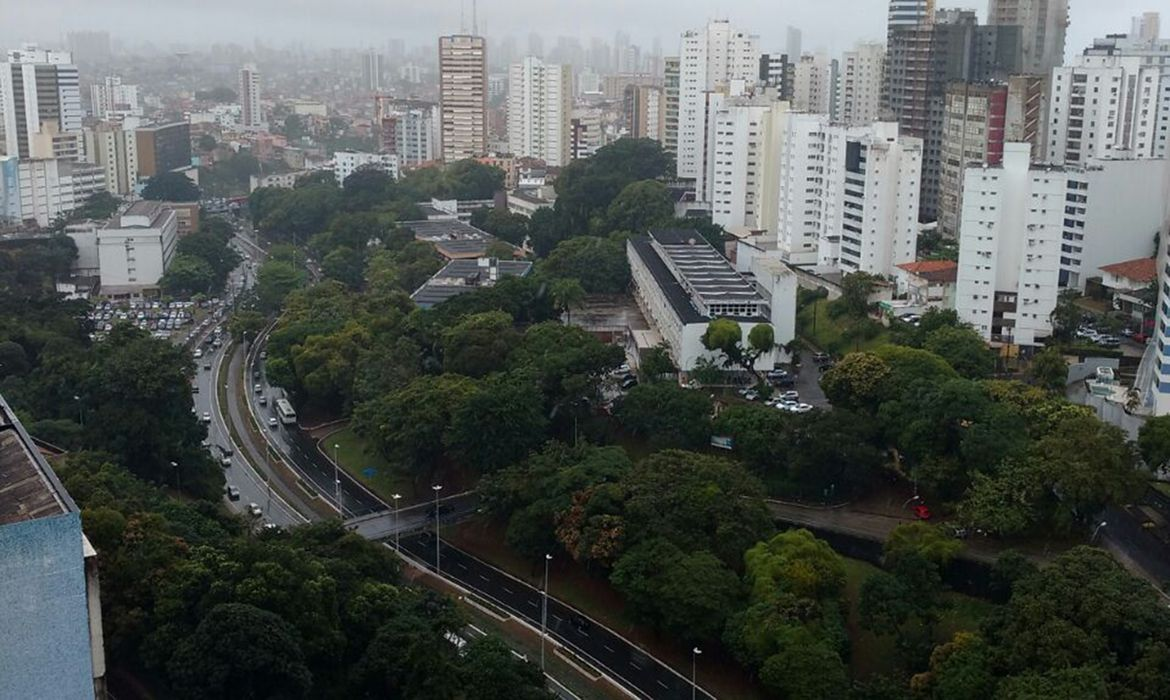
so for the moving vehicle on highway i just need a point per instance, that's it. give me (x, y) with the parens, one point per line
(285, 411)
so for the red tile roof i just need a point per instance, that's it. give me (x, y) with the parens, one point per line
(1140, 270)
(933, 270)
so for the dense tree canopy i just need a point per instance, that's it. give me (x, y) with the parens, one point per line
(171, 187)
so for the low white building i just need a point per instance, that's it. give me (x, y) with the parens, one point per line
(136, 247)
(50, 187)
(1028, 231)
(346, 162)
(928, 283)
(681, 284)
(284, 181)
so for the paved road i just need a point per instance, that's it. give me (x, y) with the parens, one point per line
(623, 661)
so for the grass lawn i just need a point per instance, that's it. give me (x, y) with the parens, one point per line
(359, 459)
(834, 335)
(870, 653)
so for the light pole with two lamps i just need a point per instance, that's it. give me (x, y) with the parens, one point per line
(396, 497)
(544, 610)
(337, 482)
(437, 488)
(694, 665)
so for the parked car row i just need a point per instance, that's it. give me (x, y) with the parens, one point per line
(1086, 332)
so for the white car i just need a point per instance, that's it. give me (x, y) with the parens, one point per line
(206, 417)
(272, 422)
(254, 510)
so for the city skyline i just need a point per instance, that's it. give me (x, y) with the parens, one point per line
(830, 25)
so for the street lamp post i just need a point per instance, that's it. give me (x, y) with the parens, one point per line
(694, 665)
(178, 479)
(437, 488)
(1097, 530)
(544, 610)
(396, 497)
(337, 482)
(80, 411)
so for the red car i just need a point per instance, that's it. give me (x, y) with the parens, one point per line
(921, 512)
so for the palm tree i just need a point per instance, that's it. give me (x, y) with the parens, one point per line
(566, 294)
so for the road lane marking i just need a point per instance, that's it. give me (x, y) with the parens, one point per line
(608, 648)
(507, 590)
(533, 603)
(485, 578)
(664, 685)
(635, 665)
(461, 565)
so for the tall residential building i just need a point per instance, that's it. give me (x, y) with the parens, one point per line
(408, 129)
(812, 85)
(1042, 29)
(909, 13)
(777, 71)
(921, 60)
(1112, 102)
(163, 147)
(115, 149)
(585, 132)
(644, 108)
(40, 100)
(50, 603)
(50, 187)
(249, 96)
(463, 96)
(711, 59)
(1028, 231)
(670, 88)
(848, 195)
(540, 103)
(372, 70)
(1146, 27)
(745, 161)
(1154, 371)
(859, 86)
(793, 44)
(110, 99)
(979, 119)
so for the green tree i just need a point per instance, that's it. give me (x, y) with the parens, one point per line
(568, 361)
(855, 290)
(247, 323)
(587, 187)
(210, 245)
(688, 596)
(1066, 315)
(479, 344)
(1154, 441)
(99, 205)
(240, 651)
(502, 224)
(599, 264)
(667, 415)
(656, 363)
(860, 381)
(805, 669)
(274, 281)
(1049, 370)
(639, 207)
(923, 539)
(498, 424)
(566, 294)
(726, 336)
(207, 143)
(490, 671)
(963, 349)
(188, 275)
(171, 187)
(470, 179)
(345, 265)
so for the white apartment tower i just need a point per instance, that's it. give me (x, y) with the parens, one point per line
(744, 165)
(848, 195)
(812, 84)
(1146, 27)
(670, 87)
(711, 59)
(859, 85)
(1028, 231)
(40, 103)
(115, 149)
(1112, 104)
(463, 96)
(249, 95)
(110, 99)
(540, 105)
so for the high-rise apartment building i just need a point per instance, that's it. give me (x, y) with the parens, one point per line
(249, 96)
(712, 58)
(777, 71)
(979, 118)
(645, 112)
(40, 102)
(1042, 26)
(794, 43)
(540, 105)
(1109, 106)
(1146, 27)
(670, 87)
(585, 132)
(372, 70)
(50, 187)
(744, 165)
(408, 129)
(812, 84)
(110, 99)
(163, 147)
(909, 13)
(848, 195)
(463, 96)
(1028, 231)
(115, 149)
(859, 84)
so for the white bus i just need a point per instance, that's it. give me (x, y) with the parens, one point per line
(285, 410)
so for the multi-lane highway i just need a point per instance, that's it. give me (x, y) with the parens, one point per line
(618, 658)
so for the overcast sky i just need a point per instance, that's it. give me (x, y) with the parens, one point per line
(829, 24)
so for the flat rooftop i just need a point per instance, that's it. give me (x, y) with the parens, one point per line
(452, 238)
(459, 276)
(703, 272)
(29, 489)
